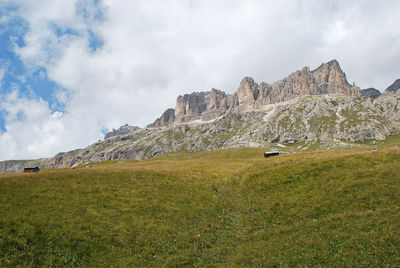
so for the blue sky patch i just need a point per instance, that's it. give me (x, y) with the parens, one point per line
(61, 31)
(91, 12)
(94, 41)
(33, 82)
(3, 113)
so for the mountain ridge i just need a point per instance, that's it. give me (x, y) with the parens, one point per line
(328, 78)
(316, 108)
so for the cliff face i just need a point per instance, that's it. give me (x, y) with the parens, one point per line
(196, 106)
(191, 106)
(166, 119)
(332, 80)
(326, 79)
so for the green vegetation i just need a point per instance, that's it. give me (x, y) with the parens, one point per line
(352, 119)
(221, 208)
(323, 124)
(284, 122)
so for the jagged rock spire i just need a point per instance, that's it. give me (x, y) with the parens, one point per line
(328, 78)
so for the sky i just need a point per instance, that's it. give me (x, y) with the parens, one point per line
(71, 70)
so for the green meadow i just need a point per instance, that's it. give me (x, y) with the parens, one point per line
(226, 208)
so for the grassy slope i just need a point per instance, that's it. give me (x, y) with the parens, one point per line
(221, 208)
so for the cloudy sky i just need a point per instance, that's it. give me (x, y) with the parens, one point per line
(70, 70)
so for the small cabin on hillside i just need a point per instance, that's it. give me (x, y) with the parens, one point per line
(270, 154)
(31, 169)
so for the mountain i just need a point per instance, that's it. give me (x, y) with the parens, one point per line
(307, 109)
(328, 78)
(372, 93)
(395, 86)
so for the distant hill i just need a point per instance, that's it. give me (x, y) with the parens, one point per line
(372, 93)
(395, 86)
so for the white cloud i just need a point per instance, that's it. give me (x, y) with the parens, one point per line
(335, 32)
(25, 122)
(155, 50)
(34, 131)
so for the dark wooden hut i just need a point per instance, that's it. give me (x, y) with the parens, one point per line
(31, 169)
(270, 154)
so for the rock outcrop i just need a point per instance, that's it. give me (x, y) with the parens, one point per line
(190, 106)
(372, 93)
(219, 103)
(395, 86)
(166, 119)
(247, 93)
(326, 79)
(318, 121)
(122, 130)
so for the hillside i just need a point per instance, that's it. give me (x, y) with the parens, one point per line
(221, 208)
(326, 122)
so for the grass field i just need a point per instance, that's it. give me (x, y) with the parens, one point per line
(222, 208)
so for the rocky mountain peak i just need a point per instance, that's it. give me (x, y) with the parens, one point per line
(333, 62)
(332, 80)
(330, 72)
(395, 86)
(328, 78)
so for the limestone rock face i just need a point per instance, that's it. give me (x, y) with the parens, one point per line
(218, 101)
(395, 86)
(297, 84)
(190, 106)
(328, 78)
(332, 80)
(330, 73)
(202, 106)
(247, 93)
(372, 93)
(122, 130)
(166, 119)
(218, 104)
